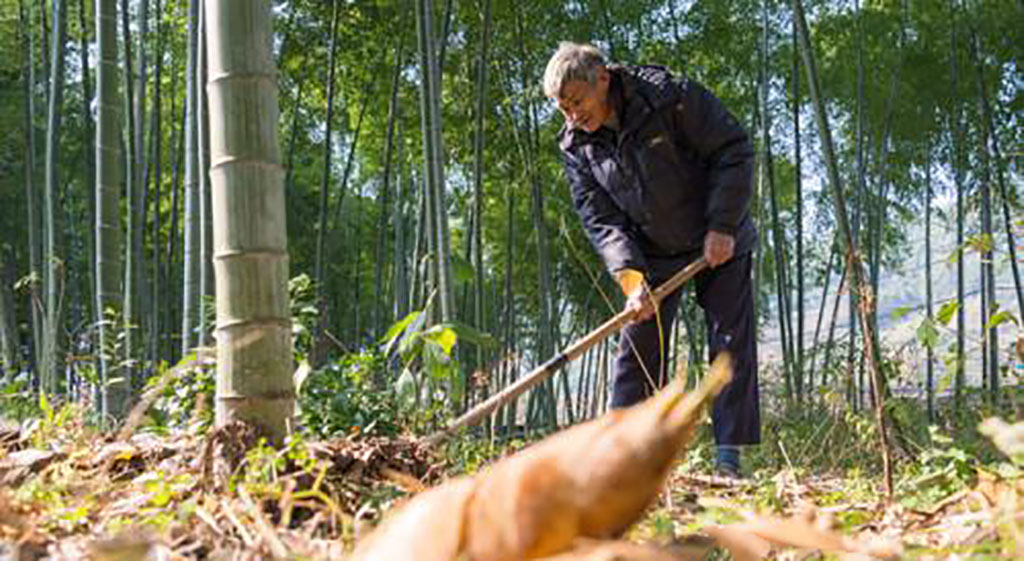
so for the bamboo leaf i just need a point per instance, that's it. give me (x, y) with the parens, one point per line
(901, 312)
(927, 334)
(1001, 317)
(443, 336)
(981, 243)
(404, 333)
(471, 334)
(946, 312)
(405, 386)
(399, 326)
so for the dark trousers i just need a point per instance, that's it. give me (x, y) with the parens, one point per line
(726, 296)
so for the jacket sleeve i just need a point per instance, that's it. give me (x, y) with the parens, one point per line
(724, 146)
(605, 223)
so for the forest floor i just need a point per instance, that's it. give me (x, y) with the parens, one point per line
(69, 492)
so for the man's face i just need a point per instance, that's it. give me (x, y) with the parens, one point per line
(585, 105)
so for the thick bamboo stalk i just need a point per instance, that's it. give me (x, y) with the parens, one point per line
(254, 347)
(171, 269)
(798, 180)
(430, 106)
(989, 161)
(821, 315)
(401, 267)
(778, 236)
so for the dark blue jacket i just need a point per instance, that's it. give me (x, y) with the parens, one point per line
(678, 166)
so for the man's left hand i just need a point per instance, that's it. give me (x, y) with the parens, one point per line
(718, 248)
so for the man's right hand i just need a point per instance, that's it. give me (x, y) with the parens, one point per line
(641, 303)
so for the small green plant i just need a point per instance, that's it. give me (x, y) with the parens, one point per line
(430, 370)
(186, 400)
(170, 500)
(261, 469)
(55, 423)
(17, 400)
(942, 470)
(163, 489)
(659, 526)
(305, 315)
(341, 398)
(468, 454)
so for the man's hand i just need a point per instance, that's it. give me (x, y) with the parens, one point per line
(718, 248)
(641, 303)
(638, 297)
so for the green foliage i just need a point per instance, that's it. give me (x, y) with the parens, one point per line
(186, 401)
(429, 346)
(901, 312)
(54, 423)
(304, 314)
(1001, 317)
(941, 470)
(947, 311)
(342, 398)
(62, 512)
(164, 488)
(262, 468)
(427, 357)
(927, 334)
(353, 395)
(467, 453)
(981, 243)
(825, 436)
(17, 400)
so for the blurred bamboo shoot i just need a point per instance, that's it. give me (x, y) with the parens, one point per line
(593, 480)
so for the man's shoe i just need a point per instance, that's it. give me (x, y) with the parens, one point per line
(727, 461)
(728, 472)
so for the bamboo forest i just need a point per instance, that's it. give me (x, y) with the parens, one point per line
(488, 280)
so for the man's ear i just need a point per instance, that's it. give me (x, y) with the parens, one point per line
(603, 76)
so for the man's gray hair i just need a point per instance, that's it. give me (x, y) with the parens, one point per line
(572, 62)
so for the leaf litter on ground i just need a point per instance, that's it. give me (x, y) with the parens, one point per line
(225, 495)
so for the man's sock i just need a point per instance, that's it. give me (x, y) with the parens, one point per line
(728, 459)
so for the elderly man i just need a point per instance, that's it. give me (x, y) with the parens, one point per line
(661, 174)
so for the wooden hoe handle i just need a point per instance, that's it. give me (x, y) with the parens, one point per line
(568, 354)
